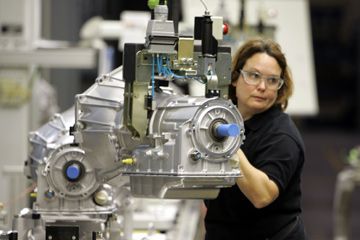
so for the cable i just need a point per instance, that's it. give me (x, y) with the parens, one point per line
(153, 77)
(206, 8)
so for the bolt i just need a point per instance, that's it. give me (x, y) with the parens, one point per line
(195, 155)
(49, 194)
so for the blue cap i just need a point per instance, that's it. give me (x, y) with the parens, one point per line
(227, 130)
(73, 172)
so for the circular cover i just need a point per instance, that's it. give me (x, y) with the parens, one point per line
(56, 169)
(208, 116)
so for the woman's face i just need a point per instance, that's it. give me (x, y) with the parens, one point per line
(253, 99)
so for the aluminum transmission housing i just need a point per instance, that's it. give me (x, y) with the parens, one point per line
(181, 156)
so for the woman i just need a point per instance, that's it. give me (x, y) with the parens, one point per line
(265, 203)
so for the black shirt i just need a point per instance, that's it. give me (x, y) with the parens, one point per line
(274, 146)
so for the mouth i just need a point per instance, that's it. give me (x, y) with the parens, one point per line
(259, 98)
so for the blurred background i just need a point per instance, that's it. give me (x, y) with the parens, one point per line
(49, 53)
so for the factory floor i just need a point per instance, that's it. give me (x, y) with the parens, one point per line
(327, 151)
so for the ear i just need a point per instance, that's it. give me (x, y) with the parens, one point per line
(234, 83)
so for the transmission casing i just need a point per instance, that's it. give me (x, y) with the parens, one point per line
(181, 156)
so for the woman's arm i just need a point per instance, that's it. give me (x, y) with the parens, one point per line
(255, 184)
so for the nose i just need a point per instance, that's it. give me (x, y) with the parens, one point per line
(262, 84)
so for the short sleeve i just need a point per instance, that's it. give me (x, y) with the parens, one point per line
(278, 156)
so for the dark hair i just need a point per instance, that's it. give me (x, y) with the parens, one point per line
(271, 48)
